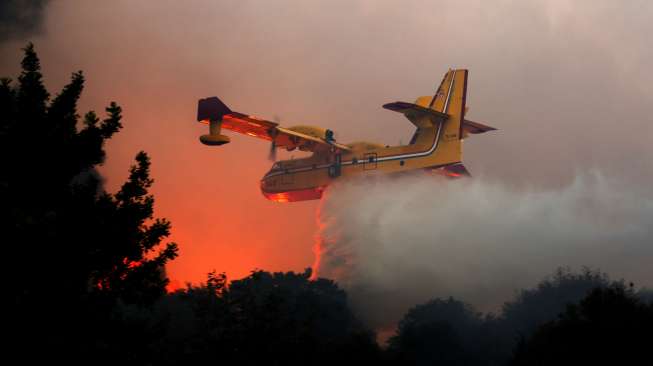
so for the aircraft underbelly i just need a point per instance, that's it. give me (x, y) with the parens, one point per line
(310, 184)
(313, 193)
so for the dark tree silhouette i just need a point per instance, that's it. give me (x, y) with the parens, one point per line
(288, 317)
(265, 318)
(449, 332)
(439, 332)
(611, 326)
(71, 247)
(533, 307)
(646, 295)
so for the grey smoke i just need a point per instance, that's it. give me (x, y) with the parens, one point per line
(397, 242)
(20, 19)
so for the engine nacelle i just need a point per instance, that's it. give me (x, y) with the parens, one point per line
(214, 140)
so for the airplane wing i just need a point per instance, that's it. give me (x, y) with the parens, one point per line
(213, 109)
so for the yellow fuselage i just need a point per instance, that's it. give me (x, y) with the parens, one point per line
(305, 179)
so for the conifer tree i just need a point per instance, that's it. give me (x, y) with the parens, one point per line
(65, 238)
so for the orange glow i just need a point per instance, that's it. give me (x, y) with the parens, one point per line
(317, 238)
(210, 194)
(252, 134)
(444, 173)
(294, 196)
(173, 286)
(132, 264)
(279, 197)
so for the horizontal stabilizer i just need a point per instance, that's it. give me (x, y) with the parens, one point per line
(415, 113)
(211, 109)
(476, 127)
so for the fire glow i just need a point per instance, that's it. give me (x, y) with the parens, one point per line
(293, 196)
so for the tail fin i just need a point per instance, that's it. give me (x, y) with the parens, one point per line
(450, 100)
(441, 115)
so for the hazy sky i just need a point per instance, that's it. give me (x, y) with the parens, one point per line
(567, 83)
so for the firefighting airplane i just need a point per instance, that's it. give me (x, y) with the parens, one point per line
(435, 146)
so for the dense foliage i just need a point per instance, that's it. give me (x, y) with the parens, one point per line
(72, 248)
(271, 318)
(610, 326)
(450, 332)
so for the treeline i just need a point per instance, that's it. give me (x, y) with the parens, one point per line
(87, 279)
(285, 318)
(587, 308)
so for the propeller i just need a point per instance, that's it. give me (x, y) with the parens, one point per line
(272, 155)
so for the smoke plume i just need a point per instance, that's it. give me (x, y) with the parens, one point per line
(21, 18)
(397, 242)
